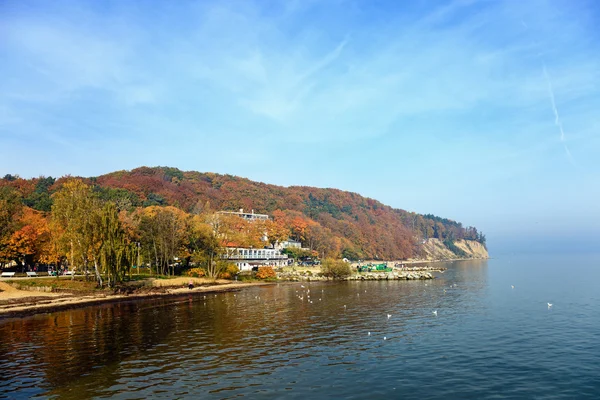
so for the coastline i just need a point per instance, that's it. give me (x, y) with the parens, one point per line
(15, 303)
(40, 303)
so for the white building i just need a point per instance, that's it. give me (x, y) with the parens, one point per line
(286, 244)
(247, 216)
(246, 258)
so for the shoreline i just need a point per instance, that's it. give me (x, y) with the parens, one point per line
(27, 303)
(69, 301)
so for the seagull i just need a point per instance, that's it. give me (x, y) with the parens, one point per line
(549, 305)
(369, 333)
(435, 313)
(512, 286)
(389, 316)
(385, 338)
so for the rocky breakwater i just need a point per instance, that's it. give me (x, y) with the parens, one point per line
(404, 273)
(394, 275)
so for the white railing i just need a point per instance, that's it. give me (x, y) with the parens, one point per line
(255, 257)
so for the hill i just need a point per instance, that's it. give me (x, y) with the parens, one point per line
(326, 220)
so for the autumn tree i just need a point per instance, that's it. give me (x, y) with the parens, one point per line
(115, 253)
(31, 243)
(205, 244)
(162, 234)
(75, 221)
(10, 212)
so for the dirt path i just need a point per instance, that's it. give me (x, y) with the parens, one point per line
(8, 292)
(23, 303)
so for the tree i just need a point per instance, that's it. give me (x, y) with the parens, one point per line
(11, 210)
(115, 252)
(162, 235)
(276, 231)
(30, 243)
(75, 220)
(336, 269)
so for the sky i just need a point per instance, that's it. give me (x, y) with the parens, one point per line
(485, 112)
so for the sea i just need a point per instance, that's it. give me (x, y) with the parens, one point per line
(512, 327)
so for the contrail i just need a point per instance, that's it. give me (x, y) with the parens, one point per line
(557, 120)
(556, 116)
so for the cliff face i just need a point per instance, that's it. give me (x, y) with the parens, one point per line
(434, 249)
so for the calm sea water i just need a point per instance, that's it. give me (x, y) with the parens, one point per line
(488, 340)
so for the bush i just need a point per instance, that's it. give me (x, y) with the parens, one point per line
(196, 272)
(336, 269)
(265, 273)
(229, 272)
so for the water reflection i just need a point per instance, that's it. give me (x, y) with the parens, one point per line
(262, 342)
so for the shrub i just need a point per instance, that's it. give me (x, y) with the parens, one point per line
(229, 271)
(336, 269)
(196, 272)
(265, 273)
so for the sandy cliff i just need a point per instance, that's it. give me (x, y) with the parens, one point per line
(434, 249)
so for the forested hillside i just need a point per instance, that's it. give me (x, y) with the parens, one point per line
(330, 221)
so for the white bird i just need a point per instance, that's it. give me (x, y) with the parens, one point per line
(344, 306)
(435, 313)
(512, 286)
(385, 338)
(302, 286)
(389, 316)
(369, 333)
(549, 305)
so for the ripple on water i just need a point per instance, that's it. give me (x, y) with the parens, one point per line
(487, 341)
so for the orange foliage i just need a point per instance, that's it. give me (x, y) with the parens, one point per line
(265, 272)
(329, 221)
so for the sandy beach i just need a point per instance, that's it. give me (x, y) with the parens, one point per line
(18, 303)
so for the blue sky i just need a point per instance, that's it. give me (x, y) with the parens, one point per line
(486, 112)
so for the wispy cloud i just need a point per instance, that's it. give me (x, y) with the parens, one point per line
(321, 74)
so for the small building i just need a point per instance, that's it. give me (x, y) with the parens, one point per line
(248, 216)
(247, 258)
(286, 244)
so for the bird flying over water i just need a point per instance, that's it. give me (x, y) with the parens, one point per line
(549, 305)
(512, 286)
(434, 312)
(389, 316)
